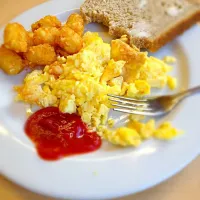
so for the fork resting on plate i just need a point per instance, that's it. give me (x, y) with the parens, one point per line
(153, 106)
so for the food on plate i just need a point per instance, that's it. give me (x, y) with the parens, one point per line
(134, 58)
(112, 70)
(172, 82)
(80, 83)
(56, 68)
(42, 54)
(141, 19)
(45, 35)
(47, 39)
(79, 71)
(61, 52)
(136, 132)
(146, 130)
(15, 37)
(30, 39)
(169, 59)
(123, 136)
(47, 21)
(111, 122)
(76, 23)
(69, 40)
(57, 134)
(121, 51)
(10, 62)
(166, 132)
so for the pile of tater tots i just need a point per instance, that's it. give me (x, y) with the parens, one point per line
(40, 46)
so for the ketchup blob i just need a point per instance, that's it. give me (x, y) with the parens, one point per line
(57, 134)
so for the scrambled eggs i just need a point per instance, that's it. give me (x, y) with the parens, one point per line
(80, 83)
(166, 132)
(136, 132)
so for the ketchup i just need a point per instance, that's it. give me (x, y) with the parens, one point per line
(57, 134)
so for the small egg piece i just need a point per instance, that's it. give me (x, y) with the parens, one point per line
(116, 81)
(91, 37)
(111, 122)
(124, 88)
(15, 37)
(145, 130)
(166, 132)
(67, 104)
(56, 69)
(123, 136)
(143, 87)
(171, 82)
(134, 117)
(45, 35)
(132, 91)
(76, 23)
(155, 72)
(69, 40)
(112, 70)
(169, 59)
(42, 54)
(86, 117)
(10, 62)
(29, 112)
(47, 21)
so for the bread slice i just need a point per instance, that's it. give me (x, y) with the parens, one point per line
(149, 24)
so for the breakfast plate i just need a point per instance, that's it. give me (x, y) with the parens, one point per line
(111, 171)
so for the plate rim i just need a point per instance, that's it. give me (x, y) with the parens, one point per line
(51, 7)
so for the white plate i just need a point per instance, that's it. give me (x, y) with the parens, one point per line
(111, 171)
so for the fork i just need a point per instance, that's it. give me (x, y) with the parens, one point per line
(153, 106)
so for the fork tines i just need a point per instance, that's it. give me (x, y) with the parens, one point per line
(131, 105)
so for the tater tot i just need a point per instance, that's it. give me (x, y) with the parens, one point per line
(47, 21)
(69, 40)
(42, 54)
(75, 22)
(61, 52)
(45, 35)
(10, 62)
(15, 37)
(30, 39)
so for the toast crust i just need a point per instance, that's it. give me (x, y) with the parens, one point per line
(168, 35)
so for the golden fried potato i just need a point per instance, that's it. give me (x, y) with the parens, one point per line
(75, 22)
(30, 39)
(69, 40)
(47, 21)
(61, 52)
(45, 35)
(42, 54)
(15, 37)
(10, 62)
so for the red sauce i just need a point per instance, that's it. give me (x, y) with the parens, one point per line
(57, 134)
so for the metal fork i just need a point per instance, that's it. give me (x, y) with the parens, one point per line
(153, 106)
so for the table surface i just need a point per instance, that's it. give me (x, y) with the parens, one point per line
(183, 186)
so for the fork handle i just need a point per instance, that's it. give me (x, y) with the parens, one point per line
(189, 92)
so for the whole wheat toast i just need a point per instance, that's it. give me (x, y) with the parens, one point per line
(149, 24)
